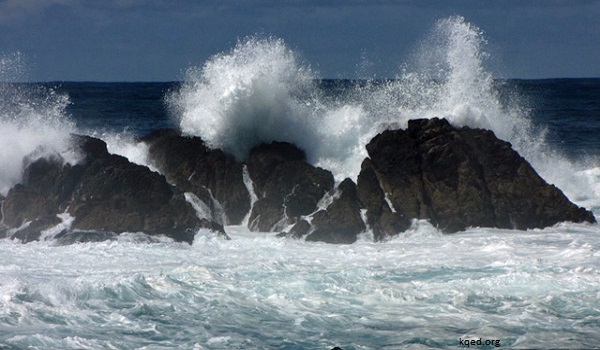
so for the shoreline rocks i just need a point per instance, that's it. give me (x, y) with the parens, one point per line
(454, 177)
(211, 174)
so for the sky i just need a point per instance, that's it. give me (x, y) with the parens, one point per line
(157, 40)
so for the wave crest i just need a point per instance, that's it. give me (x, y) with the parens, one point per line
(258, 92)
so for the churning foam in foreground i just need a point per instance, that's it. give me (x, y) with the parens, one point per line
(261, 92)
(422, 289)
(32, 124)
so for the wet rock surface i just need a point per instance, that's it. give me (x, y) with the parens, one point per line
(104, 193)
(454, 177)
(341, 221)
(458, 178)
(211, 174)
(287, 186)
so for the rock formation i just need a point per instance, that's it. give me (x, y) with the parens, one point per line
(104, 193)
(211, 174)
(341, 221)
(455, 178)
(381, 216)
(287, 186)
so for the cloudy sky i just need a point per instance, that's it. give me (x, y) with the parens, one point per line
(156, 40)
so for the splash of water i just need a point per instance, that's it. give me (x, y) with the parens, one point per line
(255, 93)
(447, 78)
(261, 92)
(33, 123)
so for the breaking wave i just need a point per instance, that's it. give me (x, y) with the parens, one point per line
(261, 91)
(33, 123)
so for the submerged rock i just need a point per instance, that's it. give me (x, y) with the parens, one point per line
(104, 193)
(455, 178)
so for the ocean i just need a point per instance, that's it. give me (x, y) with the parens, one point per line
(483, 288)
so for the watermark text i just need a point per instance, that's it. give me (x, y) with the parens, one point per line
(467, 343)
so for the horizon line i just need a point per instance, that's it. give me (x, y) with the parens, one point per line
(316, 79)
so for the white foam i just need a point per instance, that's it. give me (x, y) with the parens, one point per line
(403, 288)
(65, 224)
(250, 188)
(250, 95)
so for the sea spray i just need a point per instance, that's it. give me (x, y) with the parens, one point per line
(253, 94)
(446, 77)
(33, 123)
(126, 144)
(261, 92)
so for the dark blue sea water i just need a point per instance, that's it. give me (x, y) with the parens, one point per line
(422, 289)
(569, 109)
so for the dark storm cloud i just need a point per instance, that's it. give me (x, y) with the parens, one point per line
(158, 39)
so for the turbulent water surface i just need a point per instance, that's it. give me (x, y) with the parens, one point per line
(525, 289)
(483, 288)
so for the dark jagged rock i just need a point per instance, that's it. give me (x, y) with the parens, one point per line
(23, 204)
(33, 206)
(341, 222)
(105, 193)
(383, 220)
(286, 186)
(211, 174)
(457, 178)
(453, 177)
